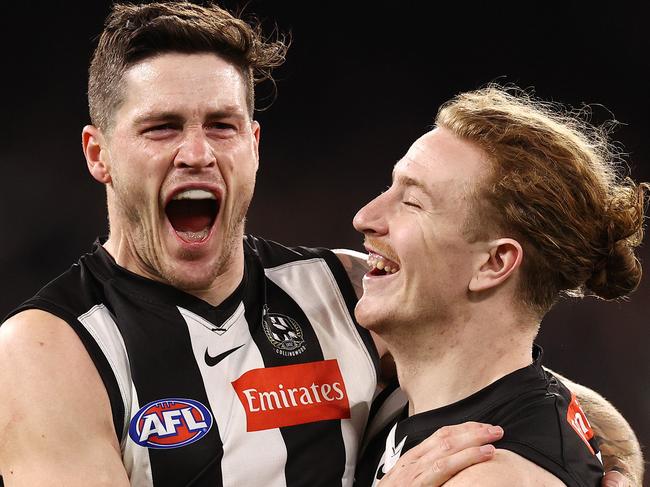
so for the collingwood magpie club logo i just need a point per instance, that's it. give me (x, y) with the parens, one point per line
(284, 333)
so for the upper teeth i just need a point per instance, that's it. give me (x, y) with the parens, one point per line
(194, 194)
(382, 263)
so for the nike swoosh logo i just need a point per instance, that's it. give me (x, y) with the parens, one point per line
(212, 361)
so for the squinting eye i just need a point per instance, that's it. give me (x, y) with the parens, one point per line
(410, 203)
(222, 126)
(160, 132)
(158, 128)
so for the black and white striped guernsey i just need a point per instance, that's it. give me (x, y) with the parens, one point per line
(541, 419)
(231, 395)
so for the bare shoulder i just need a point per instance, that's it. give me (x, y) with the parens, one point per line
(505, 469)
(55, 416)
(37, 348)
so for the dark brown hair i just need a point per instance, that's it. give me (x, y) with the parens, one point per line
(554, 185)
(136, 32)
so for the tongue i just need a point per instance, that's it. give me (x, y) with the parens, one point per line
(190, 215)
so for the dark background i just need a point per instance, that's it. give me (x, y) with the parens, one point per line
(362, 81)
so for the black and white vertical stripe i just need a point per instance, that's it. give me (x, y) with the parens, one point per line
(150, 341)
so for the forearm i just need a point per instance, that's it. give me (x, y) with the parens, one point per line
(618, 443)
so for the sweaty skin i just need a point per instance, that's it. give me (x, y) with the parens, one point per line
(192, 132)
(619, 446)
(183, 125)
(428, 193)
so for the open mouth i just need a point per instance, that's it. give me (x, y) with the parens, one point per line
(192, 213)
(380, 265)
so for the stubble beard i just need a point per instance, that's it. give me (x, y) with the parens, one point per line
(141, 218)
(375, 317)
(402, 325)
(232, 238)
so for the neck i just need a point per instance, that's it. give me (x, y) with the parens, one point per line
(214, 292)
(441, 364)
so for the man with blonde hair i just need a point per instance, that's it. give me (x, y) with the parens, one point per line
(507, 204)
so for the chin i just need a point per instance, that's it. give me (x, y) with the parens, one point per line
(374, 318)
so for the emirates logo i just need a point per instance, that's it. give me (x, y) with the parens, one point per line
(292, 394)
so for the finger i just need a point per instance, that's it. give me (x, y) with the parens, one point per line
(615, 479)
(446, 467)
(452, 439)
(445, 442)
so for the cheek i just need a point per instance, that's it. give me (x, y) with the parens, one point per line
(441, 249)
(429, 243)
(143, 167)
(239, 172)
(236, 152)
(136, 184)
(137, 188)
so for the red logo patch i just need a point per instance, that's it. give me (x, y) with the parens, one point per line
(292, 394)
(578, 421)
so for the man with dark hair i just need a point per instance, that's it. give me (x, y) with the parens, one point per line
(181, 352)
(504, 206)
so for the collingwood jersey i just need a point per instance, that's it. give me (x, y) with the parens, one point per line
(270, 388)
(541, 419)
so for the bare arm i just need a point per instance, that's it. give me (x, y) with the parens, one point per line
(55, 416)
(504, 470)
(618, 443)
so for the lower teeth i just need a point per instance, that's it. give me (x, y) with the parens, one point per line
(195, 236)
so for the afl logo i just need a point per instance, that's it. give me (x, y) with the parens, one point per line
(170, 423)
(284, 333)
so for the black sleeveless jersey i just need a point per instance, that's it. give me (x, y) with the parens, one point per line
(272, 387)
(541, 419)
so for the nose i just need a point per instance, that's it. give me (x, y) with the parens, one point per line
(371, 219)
(195, 151)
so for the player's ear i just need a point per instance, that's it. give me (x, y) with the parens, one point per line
(94, 147)
(502, 258)
(255, 128)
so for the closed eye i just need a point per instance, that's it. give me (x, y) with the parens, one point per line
(159, 128)
(222, 129)
(221, 125)
(410, 203)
